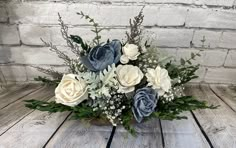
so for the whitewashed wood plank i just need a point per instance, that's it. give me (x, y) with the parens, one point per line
(34, 130)
(219, 124)
(79, 135)
(16, 111)
(226, 93)
(183, 133)
(148, 136)
(74, 134)
(8, 89)
(18, 94)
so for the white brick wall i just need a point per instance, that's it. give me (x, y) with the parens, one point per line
(9, 35)
(206, 38)
(176, 27)
(211, 18)
(231, 59)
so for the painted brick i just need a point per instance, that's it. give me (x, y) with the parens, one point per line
(231, 59)
(215, 2)
(171, 16)
(171, 1)
(3, 14)
(214, 57)
(210, 18)
(44, 13)
(212, 38)
(164, 37)
(186, 54)
(14, 73)
(9, 35)
(31, 34)
(228, 40)
(220, 75)
(106, 15)
(167, 52)
(34, 73)
(39, 13)
(35, 56)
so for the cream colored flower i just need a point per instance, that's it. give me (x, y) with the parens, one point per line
(159, 79)
(128, 76)
(71, 91)
(130, 52)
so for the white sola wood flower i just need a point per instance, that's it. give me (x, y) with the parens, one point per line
(71, 91)
(159, 79)
(130, 52)
(128, 76)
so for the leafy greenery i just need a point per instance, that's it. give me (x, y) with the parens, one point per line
(171, 110)
(47, 81)
(79, 112)
(185, 72)
(96, 29)
(47, 106)
(77, 39)
(127, 118)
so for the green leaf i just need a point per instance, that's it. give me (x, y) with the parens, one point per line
(77, 39)
(192, 55)
(182, 61)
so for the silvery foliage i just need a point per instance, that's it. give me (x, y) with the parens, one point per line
(100, 84)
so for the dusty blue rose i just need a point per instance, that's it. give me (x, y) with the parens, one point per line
(101, 56)
(145, 101)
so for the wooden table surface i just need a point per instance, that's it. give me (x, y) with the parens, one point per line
(21, 127)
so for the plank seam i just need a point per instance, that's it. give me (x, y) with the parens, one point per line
(202, 130)
(162, 135)
(16, 123)
(20, 119)
(21, 97)
(222, 99)
(56, 131)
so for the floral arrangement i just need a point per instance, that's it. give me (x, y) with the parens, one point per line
(118, 81)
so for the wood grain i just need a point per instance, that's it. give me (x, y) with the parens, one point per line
(8, 89)
(34, 130)
(13, 113)
(14, 95)
(226, 93)
(219, 124)
(183, 133)
(148, 136)
(79, 134)
(74, 134)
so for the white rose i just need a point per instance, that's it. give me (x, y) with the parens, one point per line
(159, 79)
(128, 76)
(130, 52)
(71, 91)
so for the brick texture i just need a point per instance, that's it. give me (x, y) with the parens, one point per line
(210, 18)
(175, 27)
(9, 35)
(231, 59)
(228, 40)
(14, 73)
(3, 14)
(171, 37)
(206, 38)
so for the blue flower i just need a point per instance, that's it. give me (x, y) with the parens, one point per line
(145, 101)
(101, 56)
